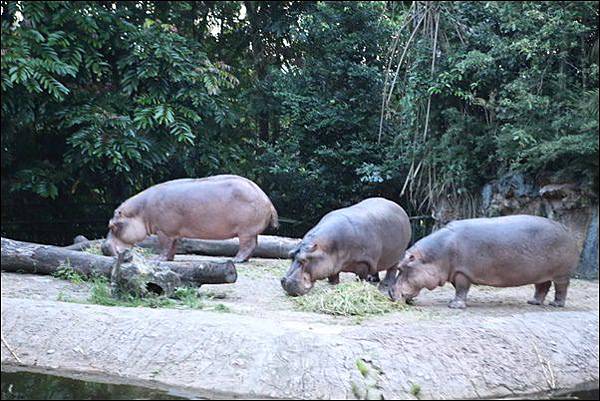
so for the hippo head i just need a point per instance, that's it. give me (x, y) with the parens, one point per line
(417, 271)
(124, 231)
(310, 262)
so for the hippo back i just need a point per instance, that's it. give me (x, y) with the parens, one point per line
(377, 228)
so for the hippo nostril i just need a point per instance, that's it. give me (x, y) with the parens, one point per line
(283, 281)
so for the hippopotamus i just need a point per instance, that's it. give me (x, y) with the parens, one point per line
(364, 239)
(507, 251)
(217, 207)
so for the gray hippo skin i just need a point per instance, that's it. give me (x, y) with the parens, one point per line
(365, 239)
(505, 251)
(218, 207)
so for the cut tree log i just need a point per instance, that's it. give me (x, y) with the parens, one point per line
(269, 246)
(80, 243)
(139, 274)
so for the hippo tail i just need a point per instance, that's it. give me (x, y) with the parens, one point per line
(274, 223)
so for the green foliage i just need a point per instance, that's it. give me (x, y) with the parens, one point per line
(188, 297)
(327, 108)
(100, 100)
(510, 91)
(362, 367)
(415, 389)
(66, 272)
(120, 100)
(183, 298)
(101, 295)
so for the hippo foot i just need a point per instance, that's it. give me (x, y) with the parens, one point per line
(534, 302)
(557, 304)
(457, 304)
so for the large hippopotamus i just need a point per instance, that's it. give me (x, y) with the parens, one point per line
(365, 239)
(217, 207)
(505, 251)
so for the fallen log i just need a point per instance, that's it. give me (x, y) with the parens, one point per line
(27, 257)
(80, 243)
(269, 246)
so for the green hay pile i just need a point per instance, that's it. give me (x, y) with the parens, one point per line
(356, 298)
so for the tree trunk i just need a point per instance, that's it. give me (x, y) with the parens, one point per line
(27, 257)
(269, 246)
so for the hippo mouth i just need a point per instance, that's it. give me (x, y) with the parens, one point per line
(108, 249)
(294, 288)
(408, 299)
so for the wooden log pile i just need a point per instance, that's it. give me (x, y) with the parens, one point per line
(140, 274)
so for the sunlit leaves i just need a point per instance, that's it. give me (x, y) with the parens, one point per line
(120, 98)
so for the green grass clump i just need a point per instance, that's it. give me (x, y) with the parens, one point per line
(100, 291)
(101, 295)
(357, 298)
(221, 308)
(415, 390)
(94, 249)
(362, 367)
(183, 298)
(188, 296)
(66, 272)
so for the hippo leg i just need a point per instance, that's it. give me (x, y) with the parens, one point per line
(461, 285)
(362, 270)
(334, 279)
(388, 280)
(560, 291)
(167, 246)
(541, 290)
(247, 246)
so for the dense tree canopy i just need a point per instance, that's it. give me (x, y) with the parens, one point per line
(321, 103)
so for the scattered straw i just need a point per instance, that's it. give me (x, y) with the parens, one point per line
(357, 298)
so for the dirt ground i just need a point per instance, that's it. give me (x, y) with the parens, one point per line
(264, 347)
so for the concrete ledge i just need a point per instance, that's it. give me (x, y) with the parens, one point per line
(215, 354)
